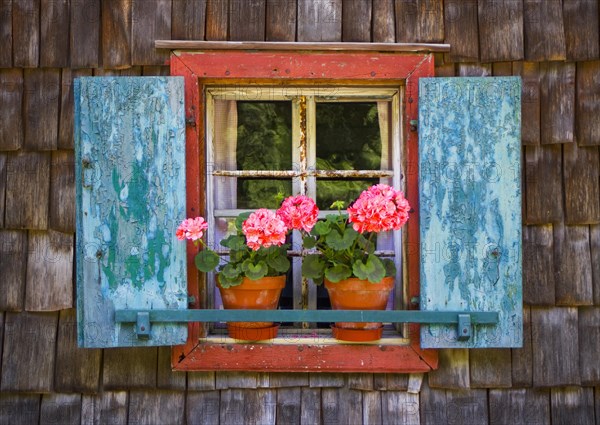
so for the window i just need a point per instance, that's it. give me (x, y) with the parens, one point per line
(329, 143)
(453, 143)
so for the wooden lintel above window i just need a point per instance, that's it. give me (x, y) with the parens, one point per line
(321, 46)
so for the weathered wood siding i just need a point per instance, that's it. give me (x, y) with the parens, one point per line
(552, 44)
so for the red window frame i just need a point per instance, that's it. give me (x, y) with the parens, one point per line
(301, 67)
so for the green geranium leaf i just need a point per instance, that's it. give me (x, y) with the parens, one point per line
(240, 220)
(278, 262)
(390, 267)
(372, 270)
(255, 271)
(206, 260)
(338, 273)
(342, 241)
(233, 242)
(230, 275)
(309, 242)
(321, 228)
(313, 267)
(365, 244)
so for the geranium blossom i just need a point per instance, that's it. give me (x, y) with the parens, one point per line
(379, 209)
(191, 228)
(264, 228)
(299, 212)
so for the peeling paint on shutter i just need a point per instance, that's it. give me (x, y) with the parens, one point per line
(470, 206)
(130, 173)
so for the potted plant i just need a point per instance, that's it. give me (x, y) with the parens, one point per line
(255, 273)
(345, 260)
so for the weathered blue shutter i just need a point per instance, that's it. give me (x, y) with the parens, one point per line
(470, 206)
(130, 177)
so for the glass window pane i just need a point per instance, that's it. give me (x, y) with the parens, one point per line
(261, 193)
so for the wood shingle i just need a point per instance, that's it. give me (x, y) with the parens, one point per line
(167, 379)
(522, 358)
(460, 24)
(289, 405)
(84, 33)
(26, 33)
(544, 30)
(557, 97)
(530, 101)
(11, 99)
(188, 18)
(500, 30)
(572, 405)
(589, 345)
(41, 102)
(543, 184)
(216, 19)
(519, 406)
(60, 408)
(6, 34)
(420, 21)
(595, 256)
(581, 29)
(29, 345)
(19, 408)
(62, 192)
(54, 40)
(356, 21)
(130, 368)
(453, 371)
(156, 407)
(311, 408)
(13, 267)
(588, 103)
(398, 407)
(490, 368)
(582, 193)
(108, 407)
(202, 407)
(116, 33)
(150, 20)
(247, 20)
(65, 125)
(384, 24)
(538, 265)
(319, 20)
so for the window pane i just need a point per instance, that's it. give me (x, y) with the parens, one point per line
(260, 193)
(349, 137)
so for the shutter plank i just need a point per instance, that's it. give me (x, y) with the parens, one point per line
(572, 405)
(150, 20)
(116, 33)
(26, 33)
(76, 370)
(356, 21)
(538, 265)
(247, 20)
(27, 190)
(288, 405)
(11, 119)
(582, 194)
(470, 203)
(85, 33)
(202, 407)
(581, 29)
(453, 370)
(588, 103)
(40, 106)
(49, 271)
(61, 408)
(530, 101)
(420, 21)
(55, 15)
(217, 17)
(522, 358)
(29, 345)
(543, 178)
(490, 368)
(65, 130)
(62, 192)
(572, 265)
(319, 20)
(156, 407)
(554, 337)
(108, 407)
(129, 256)
(384, 21)
(281, 20)
(557, 97)
(460, 23)
(544, 30)
(589, 345)
(6, 34)
(13, 267)
(188, 19)
(519, 406)
(500, 30)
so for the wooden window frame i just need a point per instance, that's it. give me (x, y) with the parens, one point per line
(199, 68)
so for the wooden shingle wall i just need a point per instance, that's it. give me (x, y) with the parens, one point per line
(555, 378)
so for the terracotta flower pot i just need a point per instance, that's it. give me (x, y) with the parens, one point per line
(357, 294)
(261, 294)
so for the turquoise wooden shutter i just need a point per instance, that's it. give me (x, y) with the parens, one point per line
(130, 179)
(470, 206)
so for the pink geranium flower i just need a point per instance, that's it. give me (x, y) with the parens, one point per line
(379, 209)
(191, 228)
(299, 212)
(263, 229)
